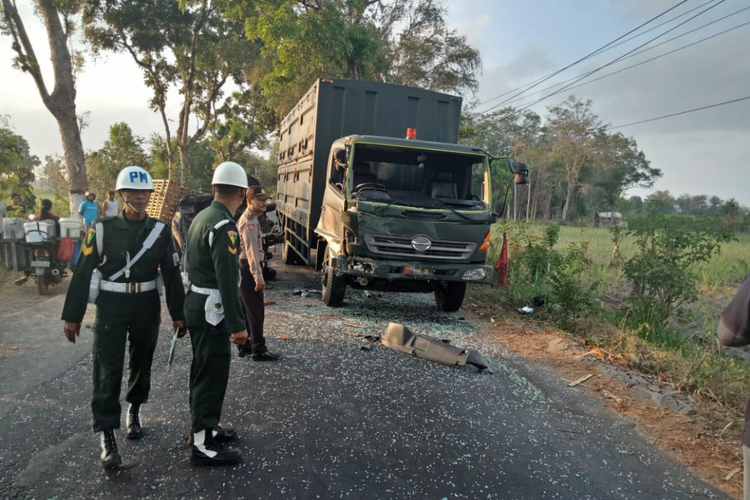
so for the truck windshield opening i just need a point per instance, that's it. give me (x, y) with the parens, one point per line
(419, 177)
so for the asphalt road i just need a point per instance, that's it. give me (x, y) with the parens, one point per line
(330, 420)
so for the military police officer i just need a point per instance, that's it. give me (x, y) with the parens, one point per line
(213, 313)
(118, 270)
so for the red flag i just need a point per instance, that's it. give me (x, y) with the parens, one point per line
(502, 262)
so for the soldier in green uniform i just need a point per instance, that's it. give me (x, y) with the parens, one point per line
(213, 313)
(118, 270)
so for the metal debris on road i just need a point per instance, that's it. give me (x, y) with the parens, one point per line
(402, 339)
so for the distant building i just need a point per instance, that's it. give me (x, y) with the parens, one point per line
(609, 219)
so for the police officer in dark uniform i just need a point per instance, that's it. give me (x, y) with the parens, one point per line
(118, 270)
(213, 313)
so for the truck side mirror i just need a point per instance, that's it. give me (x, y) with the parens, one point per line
(271, 206)
(521, 173)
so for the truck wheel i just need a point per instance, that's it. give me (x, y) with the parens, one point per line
(333, 287)
(450, 297)
(41, 282)
(288, 256)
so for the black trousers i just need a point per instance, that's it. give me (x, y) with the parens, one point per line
(255, 311)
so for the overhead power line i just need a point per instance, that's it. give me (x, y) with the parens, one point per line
(592, 54)
(600, 52)
(641, 63)
(681, 112)
(624, 55)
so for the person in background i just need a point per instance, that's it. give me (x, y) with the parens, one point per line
(16, 209)
(252, 282)
(734, 331)
(46, 214)
(89, 209)
(110, 206)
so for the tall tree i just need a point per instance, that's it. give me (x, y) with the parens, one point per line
(189, 45)
(571, 128)
(16, 167)
(418, 48)
(53, 175)
(660, 201)
(396, 41)
(120, 150)
(59, 20)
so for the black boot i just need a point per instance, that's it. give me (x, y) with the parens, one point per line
(134, 429)
(110, 455)
(207, 450)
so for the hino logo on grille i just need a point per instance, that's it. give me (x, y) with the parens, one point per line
(421, 243)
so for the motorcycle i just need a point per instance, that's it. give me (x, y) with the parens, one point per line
(43, 256)
(44, 265)
(189, 206)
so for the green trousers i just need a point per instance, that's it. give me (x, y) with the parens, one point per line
(123, 318)
(209, 371)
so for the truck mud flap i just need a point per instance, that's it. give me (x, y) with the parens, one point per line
(402, 339)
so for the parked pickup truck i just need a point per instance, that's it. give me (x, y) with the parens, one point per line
(374, 210)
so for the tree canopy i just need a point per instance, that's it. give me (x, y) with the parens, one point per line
(394, 41)
(17, 166)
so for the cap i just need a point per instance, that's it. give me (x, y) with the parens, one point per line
(257, 192)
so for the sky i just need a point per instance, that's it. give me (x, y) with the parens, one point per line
(706, 152)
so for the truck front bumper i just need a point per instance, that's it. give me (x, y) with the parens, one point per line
(392, 270)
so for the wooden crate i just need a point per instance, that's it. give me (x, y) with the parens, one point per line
(164, 199)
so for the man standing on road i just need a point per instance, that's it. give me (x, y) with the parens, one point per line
(89, 209)
(127, 252)
(734, 331)
(252, 283)
(213, 313)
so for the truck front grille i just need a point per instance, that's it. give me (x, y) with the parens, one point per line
(401, 247)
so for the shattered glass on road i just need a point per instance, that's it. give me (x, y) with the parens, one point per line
(330, 420)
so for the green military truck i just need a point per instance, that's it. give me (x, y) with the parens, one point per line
(374, 210)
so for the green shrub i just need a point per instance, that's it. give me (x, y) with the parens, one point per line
(662, 271)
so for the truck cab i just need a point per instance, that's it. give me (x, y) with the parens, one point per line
(405, 215)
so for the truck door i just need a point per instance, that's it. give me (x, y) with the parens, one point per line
(334, 205)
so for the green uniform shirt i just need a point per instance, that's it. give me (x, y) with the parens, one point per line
(120, 236)
(216, 265)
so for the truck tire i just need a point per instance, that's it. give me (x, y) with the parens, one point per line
(288, 256)
(334, 287)
(450, 297)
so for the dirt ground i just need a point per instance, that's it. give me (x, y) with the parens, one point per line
(695, 435)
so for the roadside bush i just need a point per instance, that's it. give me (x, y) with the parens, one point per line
(538, 271)
(661, 274)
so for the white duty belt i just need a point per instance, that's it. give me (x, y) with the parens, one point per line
(201, 290)
(111, 286)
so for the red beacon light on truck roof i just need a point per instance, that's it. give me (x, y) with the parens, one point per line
(411, 133)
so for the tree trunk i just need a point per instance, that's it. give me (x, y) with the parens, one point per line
(184, 162)
(568, 196)
(351, 64)
(62, 102)
(74, 157)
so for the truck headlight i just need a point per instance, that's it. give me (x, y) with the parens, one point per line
(475, 274)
